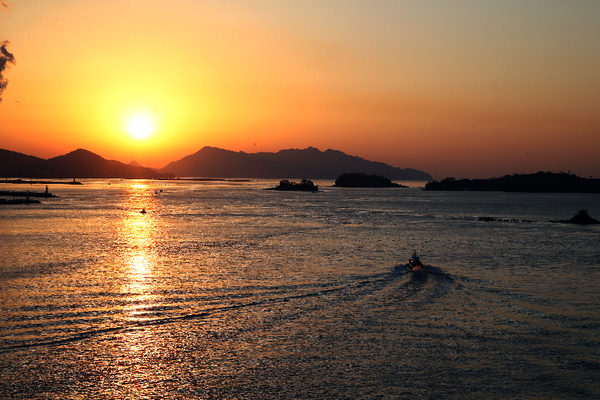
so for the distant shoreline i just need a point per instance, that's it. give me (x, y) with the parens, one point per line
(540, 182)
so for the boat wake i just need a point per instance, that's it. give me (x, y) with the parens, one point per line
(54, 325)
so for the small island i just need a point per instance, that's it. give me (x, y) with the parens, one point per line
(305, 185)
(582, 217)
(359, 179)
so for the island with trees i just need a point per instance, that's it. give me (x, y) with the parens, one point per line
(305, 185)
(359, 179)
(540, 182)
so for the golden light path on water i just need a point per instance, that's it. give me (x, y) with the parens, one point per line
(137, 232)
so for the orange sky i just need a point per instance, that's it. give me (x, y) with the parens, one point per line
(464, 89)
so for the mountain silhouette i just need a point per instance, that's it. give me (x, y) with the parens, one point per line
(134, 163)
(76, 164)
(291, 163)
(208, 162)
(12, 164)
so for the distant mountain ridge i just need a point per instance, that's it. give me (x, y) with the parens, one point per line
(308, 163)
(76, 164)
(208, 162)
(12, 163)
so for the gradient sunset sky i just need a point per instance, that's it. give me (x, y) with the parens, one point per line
(455, 88)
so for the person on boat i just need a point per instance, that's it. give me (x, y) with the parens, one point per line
(415, 261)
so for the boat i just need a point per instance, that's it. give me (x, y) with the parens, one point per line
(415, 264)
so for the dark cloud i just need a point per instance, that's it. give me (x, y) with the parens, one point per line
(5, 59)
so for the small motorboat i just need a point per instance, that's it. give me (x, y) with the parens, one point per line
(415, 264)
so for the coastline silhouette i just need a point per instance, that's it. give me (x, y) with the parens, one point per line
(539, 182)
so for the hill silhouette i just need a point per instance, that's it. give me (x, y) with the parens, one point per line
(291, 163)
(76, 164)
(12, 163)
(548, 182)
(208, 162)
(134, 163)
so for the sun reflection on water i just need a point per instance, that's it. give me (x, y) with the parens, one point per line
(138, 233)
(133, 365)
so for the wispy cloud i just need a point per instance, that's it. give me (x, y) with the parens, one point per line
(6, 58)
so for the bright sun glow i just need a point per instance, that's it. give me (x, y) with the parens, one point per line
(140, 127)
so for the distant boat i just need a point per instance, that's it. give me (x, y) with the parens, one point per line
(305, 185)
(143, 211)
(415, 264)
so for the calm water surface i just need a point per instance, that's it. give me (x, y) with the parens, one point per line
(225, 290)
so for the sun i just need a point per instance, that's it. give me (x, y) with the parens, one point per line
(140, 127)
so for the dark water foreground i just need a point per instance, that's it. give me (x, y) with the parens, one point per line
(225, 291)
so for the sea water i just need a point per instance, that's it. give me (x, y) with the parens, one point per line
(226, 290)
